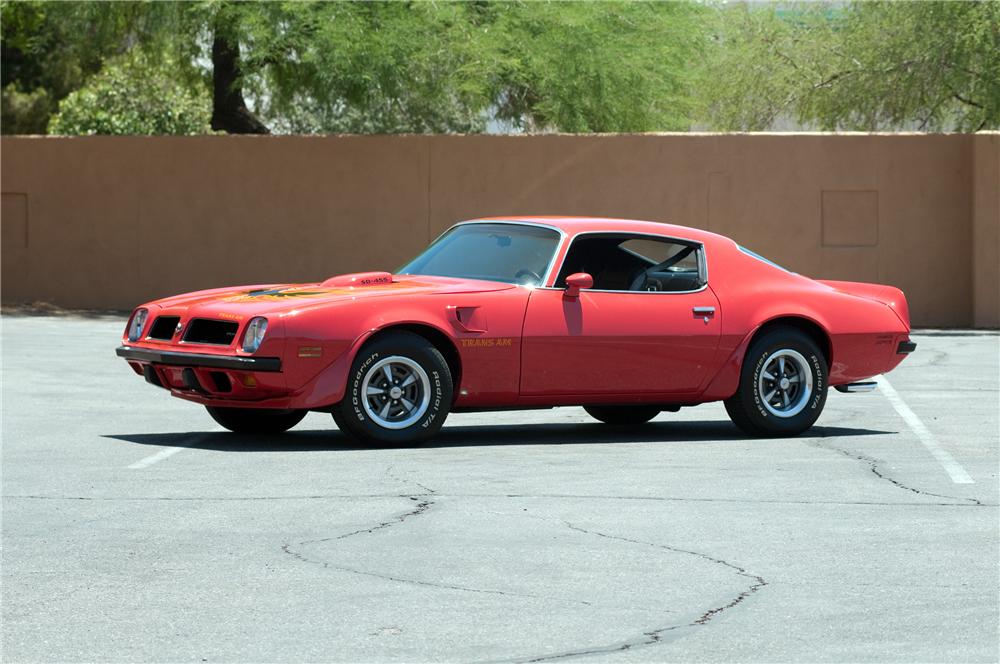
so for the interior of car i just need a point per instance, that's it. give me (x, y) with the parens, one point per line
(634, 263)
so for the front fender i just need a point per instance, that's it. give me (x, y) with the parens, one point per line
(329, 387)
(487, 346)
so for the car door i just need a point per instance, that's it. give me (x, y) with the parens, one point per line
(611, 342)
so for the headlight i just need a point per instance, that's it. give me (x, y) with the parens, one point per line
(254, 335)
(136, 325)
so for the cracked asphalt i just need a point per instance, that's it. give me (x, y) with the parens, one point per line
(134, 529)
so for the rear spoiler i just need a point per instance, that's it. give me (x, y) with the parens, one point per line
(888, 295)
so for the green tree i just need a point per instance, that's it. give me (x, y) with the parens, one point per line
(133, 94)
(40, 63)
(399, 66)
(596, 67)
(367, 67)
(52, 48)
(383, 67)
(866, 66)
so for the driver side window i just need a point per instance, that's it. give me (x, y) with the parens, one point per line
(621, 262)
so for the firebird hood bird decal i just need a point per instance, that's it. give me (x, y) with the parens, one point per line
(284, 292)
(293, 292)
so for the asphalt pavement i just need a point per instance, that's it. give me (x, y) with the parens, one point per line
(135, 529)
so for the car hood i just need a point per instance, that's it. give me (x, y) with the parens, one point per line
(278, 298)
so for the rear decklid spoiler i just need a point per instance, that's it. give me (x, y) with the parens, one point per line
(888, 295)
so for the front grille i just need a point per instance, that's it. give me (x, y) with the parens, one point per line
(163, 328)
(205, 331)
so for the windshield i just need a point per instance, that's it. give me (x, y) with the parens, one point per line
(511, 253)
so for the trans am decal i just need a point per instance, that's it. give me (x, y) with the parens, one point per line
(491, 342)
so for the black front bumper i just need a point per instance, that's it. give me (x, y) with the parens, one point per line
(199, 360)
(906, 347)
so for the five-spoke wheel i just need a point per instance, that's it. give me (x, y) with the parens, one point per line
(783, 384)
(399, 391)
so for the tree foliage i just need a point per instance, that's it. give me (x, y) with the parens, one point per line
(867, 66)
(366, 67)
(596, 67)
(615, 66)
(442, 67)
(50, 49)
(134, 95)
(383, 67)
(40, 63)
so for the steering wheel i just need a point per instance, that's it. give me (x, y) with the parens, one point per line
(531, 277)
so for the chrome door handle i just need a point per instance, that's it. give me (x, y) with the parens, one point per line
(704, 313)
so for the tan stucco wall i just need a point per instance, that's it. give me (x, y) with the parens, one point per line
(109, 222)
(986, 232)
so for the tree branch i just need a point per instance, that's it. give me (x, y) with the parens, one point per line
(966, 101)
(229, 110)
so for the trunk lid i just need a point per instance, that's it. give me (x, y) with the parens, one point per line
(890, 296)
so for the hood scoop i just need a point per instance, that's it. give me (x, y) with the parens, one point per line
(358, 280)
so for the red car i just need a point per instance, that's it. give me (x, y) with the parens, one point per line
(624, 318)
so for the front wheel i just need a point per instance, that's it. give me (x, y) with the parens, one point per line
(256, 420)
(399, 391)
(783, 385)
(622, 415)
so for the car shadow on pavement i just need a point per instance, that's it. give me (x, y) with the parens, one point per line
(489, 435)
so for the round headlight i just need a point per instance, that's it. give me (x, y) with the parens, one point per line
(254, 335)
(137, 324)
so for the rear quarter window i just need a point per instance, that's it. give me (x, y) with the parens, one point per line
(657, 251)
(754, 254)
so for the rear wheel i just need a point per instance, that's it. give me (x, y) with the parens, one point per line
(399, 391)
(622, 415)
(256, 420)
(783, 385)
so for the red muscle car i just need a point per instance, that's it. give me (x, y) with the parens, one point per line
(624, 318)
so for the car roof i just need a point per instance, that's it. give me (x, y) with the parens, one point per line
(575, 225)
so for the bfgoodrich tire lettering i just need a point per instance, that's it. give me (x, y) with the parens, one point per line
(399, 391)
(783, 385)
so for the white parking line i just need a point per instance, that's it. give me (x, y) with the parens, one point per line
(165, 453)
(947, 461)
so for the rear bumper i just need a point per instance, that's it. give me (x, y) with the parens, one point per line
(199, 360)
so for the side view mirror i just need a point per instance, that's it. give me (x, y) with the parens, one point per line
(577, 282)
